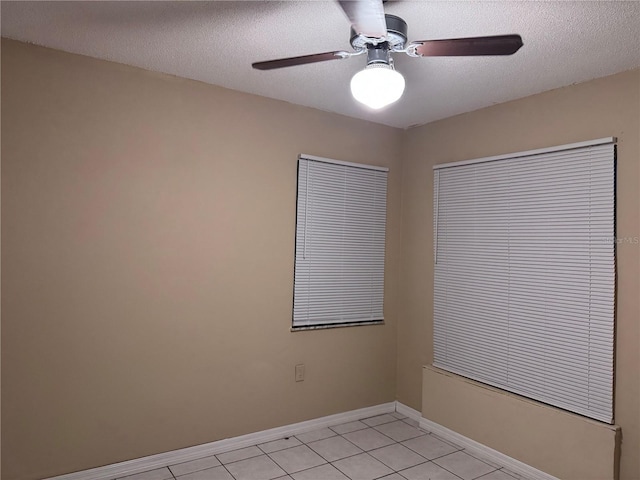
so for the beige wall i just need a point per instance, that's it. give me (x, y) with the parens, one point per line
(0, 290)
(562, 444)
(600, 108)
(148, 238)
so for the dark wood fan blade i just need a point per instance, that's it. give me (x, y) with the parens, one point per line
(366, 17)
(455, 47)
(302, 60)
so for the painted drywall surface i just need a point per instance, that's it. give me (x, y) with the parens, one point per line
(0, 287)
(149, 227)
(570, 446)
(604, 107)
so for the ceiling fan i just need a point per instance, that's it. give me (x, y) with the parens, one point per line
(379, 36)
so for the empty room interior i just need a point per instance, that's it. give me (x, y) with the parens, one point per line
(242, 241)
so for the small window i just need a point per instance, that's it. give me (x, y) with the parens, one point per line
(340, 242)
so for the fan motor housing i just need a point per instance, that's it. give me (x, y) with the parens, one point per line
(396, 34)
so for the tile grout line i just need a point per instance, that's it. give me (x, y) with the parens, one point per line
(289, 474)
(417, 428)
(474, 478)
(406, 468)
(228, 471)
(242, 459)
(324, 458)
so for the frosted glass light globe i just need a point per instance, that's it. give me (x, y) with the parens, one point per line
(377, 86)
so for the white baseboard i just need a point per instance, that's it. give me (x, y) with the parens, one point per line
(481, 450)
(160, 460)
(409, 412)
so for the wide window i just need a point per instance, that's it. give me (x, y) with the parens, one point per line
(525, 274)
(340, 241)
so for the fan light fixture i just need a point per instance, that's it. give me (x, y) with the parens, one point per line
(377, 86)
(381, 36)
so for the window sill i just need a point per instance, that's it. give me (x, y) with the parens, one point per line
(336, 325)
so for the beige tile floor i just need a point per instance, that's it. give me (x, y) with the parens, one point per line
(389, 447)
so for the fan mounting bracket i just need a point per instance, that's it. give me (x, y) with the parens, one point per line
(396, 35)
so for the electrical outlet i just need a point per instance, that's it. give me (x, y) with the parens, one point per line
(300, 373)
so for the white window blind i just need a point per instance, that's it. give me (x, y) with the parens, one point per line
(525, 274)
(340, 241)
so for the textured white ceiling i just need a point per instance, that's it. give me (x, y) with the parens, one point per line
(216, 42)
